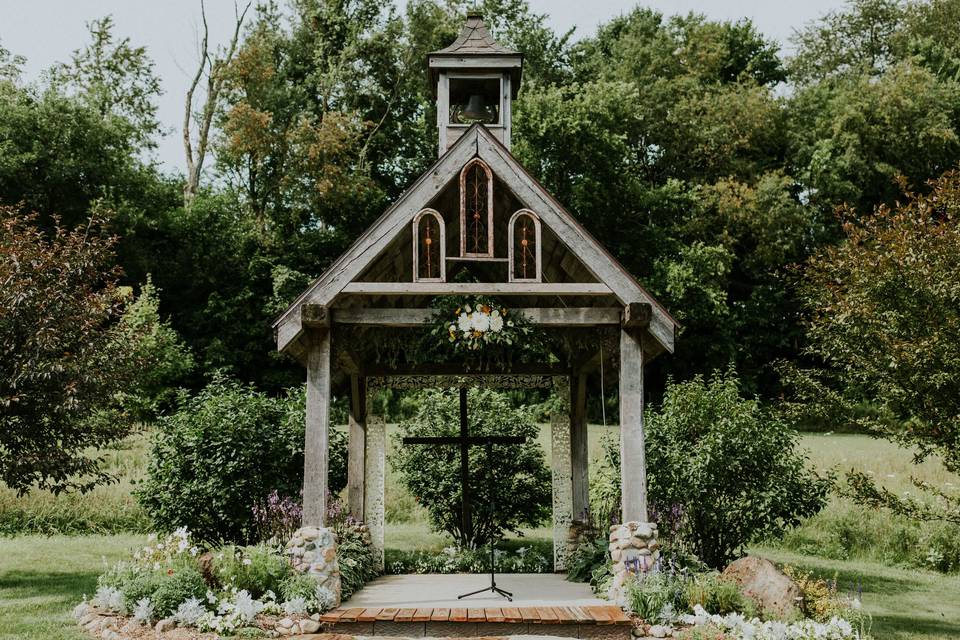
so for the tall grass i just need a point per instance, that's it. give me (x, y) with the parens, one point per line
(108, 508)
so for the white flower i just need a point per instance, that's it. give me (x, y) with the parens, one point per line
(481, 321)
(464, 322)
(496, 322)
(295, 606)
(110, 599)
(495, 313)
(194, 551)
(143, 612)
(247, 561)
(189, 612)
(246, 607)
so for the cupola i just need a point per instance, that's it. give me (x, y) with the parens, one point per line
(476, 80)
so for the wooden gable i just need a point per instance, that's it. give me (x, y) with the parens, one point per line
(378, 270)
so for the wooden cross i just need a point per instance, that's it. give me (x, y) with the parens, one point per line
(465, 440)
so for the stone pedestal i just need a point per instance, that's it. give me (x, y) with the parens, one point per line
(634, 550)
(313, 550)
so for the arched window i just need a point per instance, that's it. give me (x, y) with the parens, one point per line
(524, 242)
(476, 210)
(429, 247)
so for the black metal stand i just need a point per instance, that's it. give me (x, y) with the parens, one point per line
(493, 557)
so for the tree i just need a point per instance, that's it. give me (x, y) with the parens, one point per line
(884, 322)
(431, 473)
(730, 465)
(115, 79)
(63, 357)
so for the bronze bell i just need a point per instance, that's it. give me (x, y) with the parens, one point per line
(476, 110)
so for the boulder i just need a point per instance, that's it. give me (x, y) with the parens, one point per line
(760, 580)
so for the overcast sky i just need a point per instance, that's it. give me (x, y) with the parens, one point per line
(47, 31)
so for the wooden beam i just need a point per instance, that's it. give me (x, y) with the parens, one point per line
(636, 315)
(478, 288)
(579, 455)
(456, 369)
(314, 316)
(317, 435)
(633, 466)
(357, 446)
(552, 316)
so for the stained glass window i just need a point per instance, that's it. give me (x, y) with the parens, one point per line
(476, 210)
(429, 248)
(524, 246)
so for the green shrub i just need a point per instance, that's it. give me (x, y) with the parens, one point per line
(940, 547)
(432, 473)
(733, 467)
(225, 449)
(356, 559)
(173, 588)
(584, 560)
(298, 585)
(257, 569)
(717, 596)
(655, 596)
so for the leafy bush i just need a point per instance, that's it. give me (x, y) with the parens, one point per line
(732, 466)
(656, 596)
(941, 547)
(356, 559)
(585, 558)
(716, 595)
(256, 569)
(432, 473)
(225, 449)
(176, 587)
(157, 342)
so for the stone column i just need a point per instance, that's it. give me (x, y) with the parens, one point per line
(357, 447)
(374, 476)
(561, 467)
(633, 466)
(317, 435)
(634, 550)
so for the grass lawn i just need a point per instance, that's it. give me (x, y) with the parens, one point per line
(906, 604)
(42, 579)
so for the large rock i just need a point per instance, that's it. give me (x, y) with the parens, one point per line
(759, 579)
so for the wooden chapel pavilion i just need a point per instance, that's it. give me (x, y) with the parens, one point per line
(476, 213)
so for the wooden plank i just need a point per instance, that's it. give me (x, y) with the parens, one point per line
(476, 615)
(529, 614)
(617, 616)
(599, 614)
(580, 614)
(458, 615)
(547, 615)
(387, 614)
(633, 469)
(423, 614)
(317, 437)
(405, 615)
(351, 615)
(550, 316)
(564, 615)
(369, 615)
(512, 614)
(478, 288)
(440, 615)
(332, 615)
(493, 614)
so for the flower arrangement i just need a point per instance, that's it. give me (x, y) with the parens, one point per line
(479, 328)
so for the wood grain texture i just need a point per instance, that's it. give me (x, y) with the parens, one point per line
(458, 615)
(440, 615)
(493, 614)
(387, 614)
(478, 288)
(633, 468)
(549, 316)
(369, 615)
(422, 614)
(405, 615)
(317, 430)
(512, 614)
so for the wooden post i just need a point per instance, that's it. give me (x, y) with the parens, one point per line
(579, 455)
(633, 468)
(317, 437)
(357, 446)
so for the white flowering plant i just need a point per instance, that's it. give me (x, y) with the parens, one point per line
(737, 627)
(160, 553)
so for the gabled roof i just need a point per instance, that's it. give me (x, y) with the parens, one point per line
(474, 39)
(475, 142)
